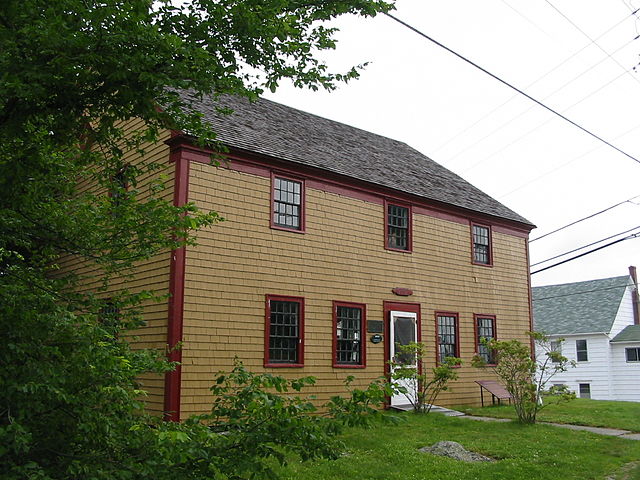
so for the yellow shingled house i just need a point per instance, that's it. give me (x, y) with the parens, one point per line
(338, 244)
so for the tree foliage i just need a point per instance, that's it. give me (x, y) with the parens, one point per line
(525, 377)
(420, 386)
(70, 72)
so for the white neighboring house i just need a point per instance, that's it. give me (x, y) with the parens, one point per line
(600, 322)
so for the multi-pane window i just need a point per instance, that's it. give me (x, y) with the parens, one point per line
(585, 390)
(632, 354)
(398, 227)
(284, 331)
(485, 329)
(447, 336)
(287, 203)
(481, 244)
(349, 346)
(581, 351)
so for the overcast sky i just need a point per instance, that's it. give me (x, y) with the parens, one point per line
(576, 57)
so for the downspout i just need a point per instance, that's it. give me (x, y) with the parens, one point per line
(172, 380)
(635, 296)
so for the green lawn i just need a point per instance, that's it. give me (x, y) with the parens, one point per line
(596, 413)
(390, 452)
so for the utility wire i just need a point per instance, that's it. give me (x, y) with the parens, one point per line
(562, 165)
(579, 293)
(549, 72)
(504, 82)
(593, 41)
(584, 246)
(628, 237)
(585, 218)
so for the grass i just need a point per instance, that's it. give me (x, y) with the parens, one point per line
(581, 411)
(390, 452)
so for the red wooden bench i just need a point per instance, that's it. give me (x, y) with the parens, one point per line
(495, 389)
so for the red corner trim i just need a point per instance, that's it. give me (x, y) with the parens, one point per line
(172, 380)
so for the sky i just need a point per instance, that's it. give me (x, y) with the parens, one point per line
(576, 57)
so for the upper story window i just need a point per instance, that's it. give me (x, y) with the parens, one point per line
(349, 346)
(398, 227)
(287, 203)
(481, 242)
(485, 329)
(447, 324)
(284, 340)
(581, 351)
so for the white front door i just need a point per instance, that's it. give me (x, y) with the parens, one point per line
(403, 329)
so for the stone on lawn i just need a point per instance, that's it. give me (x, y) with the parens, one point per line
(456, 451)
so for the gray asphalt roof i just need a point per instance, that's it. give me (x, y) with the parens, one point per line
(630, 333)
(282, 132)
(582, 307)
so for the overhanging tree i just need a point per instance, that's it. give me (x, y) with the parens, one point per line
(70, 72)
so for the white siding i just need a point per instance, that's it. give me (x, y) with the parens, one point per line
(625, 375)
(624, 316)
(595, 371)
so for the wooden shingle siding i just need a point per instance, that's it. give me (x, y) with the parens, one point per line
(152, 274)
(341, 257)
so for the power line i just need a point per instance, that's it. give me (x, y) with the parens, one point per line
(504, 82)
(629, 237)
(580, 293)
(593, 41)
(516, 140)
(586, 218)
(558, 167)
(584, 246)
(530, 85)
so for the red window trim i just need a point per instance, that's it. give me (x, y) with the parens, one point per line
(473, 246)
(303, 203)
(386, 226)
(267, 331)
(363, 323)
(457, 327)
(475, 329)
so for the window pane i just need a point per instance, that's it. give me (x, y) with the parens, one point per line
(284, 332)
(287, 202)
(585, 390)
(349, 335)
(581, 350)
(481, 245)
(447, 341)
(404, 329)
(398, 227)
(633, 354)
(485, 329)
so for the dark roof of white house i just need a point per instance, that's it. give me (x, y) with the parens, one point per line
(581, 307)
(284, 133)
(630, 333)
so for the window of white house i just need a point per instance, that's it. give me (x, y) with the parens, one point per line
(632, 354)
(481, 244)
(556, 346)
(584, 390)
(581, 351)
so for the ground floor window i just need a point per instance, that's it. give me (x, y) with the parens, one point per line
(447, 324)
(633, 354)
(584, 390)
(284, 331)
(485, 330)
(349, 319)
